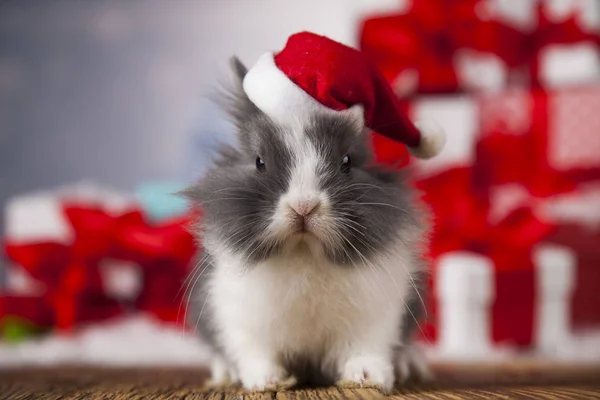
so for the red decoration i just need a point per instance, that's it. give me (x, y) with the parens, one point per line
(429, 36)
(71, 275)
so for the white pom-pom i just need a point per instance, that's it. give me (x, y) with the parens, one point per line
(433, 139)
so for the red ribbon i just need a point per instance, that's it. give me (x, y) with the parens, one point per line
(462, 221)
(71, 273)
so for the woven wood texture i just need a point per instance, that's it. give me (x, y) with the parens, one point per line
(518, 381)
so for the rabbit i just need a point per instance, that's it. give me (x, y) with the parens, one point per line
(312, 269)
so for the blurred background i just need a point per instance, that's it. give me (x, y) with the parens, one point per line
(105, 112)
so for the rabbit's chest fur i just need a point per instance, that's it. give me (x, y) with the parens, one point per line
(300, 304)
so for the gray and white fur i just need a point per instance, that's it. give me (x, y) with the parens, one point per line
(312, 269)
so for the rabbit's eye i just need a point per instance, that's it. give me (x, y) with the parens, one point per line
(260, 164)
(346, 164)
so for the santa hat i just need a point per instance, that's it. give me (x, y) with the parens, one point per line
(315, 75)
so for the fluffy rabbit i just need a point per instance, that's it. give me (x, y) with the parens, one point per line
(312, 266)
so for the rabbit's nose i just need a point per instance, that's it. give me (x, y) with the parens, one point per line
(305, 207)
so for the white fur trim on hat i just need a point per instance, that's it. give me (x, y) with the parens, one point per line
(433, 139)
(279, 97)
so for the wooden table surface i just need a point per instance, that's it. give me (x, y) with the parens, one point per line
(502, 381)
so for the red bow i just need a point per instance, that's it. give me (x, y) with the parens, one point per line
(72, 276)
(128, 236)
(462, 222)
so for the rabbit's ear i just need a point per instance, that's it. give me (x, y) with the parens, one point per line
(239, 70)
(234, 99)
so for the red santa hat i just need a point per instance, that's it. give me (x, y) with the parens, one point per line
(315, 75)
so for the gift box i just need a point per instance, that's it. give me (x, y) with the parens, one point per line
(498, 194)
(532, 303)
(95, 255)
(546, 156)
